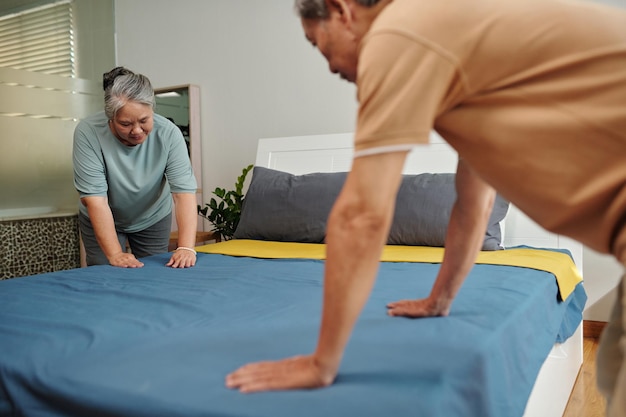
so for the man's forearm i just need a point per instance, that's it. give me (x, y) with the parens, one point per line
(352, 261)
(465, 236)
(356, 233)
(463, 242)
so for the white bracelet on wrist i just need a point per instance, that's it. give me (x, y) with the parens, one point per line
(186, 248)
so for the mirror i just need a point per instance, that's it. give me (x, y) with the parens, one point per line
(181, 104)
(173, 103)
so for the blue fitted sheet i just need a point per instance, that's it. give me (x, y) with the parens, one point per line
(156, 341)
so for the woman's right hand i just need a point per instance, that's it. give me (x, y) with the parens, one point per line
(125, 260)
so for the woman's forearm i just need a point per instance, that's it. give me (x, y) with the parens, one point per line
(186, 210)
(103, 225)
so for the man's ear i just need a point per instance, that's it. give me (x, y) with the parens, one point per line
(342, 8)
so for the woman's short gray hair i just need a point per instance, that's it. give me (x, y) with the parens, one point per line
(125, 88)
(317, 9)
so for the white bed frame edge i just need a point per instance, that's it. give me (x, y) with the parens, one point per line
(333, 153)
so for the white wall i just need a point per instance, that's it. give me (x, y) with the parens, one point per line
(260, 78)
(616, 3)
(258, 75)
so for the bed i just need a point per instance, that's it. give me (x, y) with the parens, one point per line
(155, 341)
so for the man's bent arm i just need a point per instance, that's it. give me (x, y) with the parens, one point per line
(356, 233)
(464, 239)
(357, 230)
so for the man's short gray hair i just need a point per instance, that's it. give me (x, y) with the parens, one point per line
(317, 9)
(125, 88)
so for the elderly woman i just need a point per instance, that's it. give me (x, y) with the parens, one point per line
(127, 162)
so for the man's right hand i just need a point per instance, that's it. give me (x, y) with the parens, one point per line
(425, 307)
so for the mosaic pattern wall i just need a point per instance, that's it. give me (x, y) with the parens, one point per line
(35, 246)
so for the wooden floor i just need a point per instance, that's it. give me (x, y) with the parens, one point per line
(585, 400)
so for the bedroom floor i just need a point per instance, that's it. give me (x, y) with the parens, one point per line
(585, 400)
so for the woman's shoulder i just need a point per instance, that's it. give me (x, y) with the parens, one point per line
(162, 121)
(96, 120)
(92, 127)
(165, 127)
(98, 117)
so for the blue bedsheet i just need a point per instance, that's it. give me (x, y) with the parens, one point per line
(156, 341)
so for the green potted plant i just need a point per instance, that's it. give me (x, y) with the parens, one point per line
(225, 215)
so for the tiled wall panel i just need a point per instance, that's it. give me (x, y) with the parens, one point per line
(36, 246)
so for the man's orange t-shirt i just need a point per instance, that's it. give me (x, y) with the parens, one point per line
(532, 94)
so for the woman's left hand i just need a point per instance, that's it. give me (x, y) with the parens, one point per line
(182, 258)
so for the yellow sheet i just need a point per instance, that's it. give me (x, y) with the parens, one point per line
(559, 264)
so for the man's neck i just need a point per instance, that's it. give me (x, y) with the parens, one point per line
(364, 16)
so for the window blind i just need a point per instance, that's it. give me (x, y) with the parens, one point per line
(39, 39)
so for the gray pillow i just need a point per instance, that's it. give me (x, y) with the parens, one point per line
(283, 207)
(279, 206)
(423, 211)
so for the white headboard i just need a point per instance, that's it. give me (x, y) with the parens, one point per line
(333, 153)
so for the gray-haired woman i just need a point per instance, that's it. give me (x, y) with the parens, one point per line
(128, 164)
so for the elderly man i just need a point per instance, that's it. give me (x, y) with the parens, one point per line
(531, 94)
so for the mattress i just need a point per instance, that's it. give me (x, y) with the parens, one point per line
(156, 341)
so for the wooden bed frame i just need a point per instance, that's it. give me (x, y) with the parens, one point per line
(333, 153)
